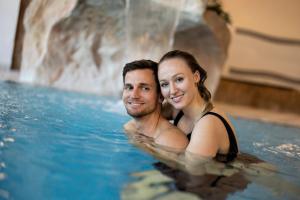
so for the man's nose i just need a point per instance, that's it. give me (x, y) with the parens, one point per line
(135, 93)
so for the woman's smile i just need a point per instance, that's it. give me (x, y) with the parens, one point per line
(177, 82)
(177, 98)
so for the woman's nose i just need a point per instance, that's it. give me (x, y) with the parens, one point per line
(173, 88)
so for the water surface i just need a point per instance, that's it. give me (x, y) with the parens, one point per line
(64, 145)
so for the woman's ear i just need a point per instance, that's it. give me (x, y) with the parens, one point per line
(196, 76)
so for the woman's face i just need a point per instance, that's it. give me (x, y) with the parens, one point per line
(177, 82)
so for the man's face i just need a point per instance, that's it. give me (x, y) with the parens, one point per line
(139, 93)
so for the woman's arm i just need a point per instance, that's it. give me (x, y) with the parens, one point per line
(204, 140)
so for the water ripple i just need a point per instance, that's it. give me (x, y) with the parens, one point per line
(288, 149)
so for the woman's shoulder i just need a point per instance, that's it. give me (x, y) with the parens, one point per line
(211, 122)
(215, 114)
(216, 125)
(209, 135)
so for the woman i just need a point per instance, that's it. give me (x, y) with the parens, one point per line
(182, 84)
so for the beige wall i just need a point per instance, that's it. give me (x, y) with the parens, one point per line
(279, 18)
(9, 11)
(265, 44)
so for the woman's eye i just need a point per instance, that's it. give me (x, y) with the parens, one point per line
(179, 79)
(163, 85)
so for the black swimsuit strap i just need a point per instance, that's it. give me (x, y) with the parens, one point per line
(233, 147)
(178, 117)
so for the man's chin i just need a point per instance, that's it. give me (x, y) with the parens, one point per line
(136, 114)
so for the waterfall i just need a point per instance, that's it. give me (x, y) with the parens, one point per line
(150, 27)
(83, 44)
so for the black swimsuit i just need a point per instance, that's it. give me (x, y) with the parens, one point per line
(233, 148)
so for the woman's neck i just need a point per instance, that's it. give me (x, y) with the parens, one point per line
(195, 108)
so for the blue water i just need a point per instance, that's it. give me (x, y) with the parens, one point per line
(64, 145)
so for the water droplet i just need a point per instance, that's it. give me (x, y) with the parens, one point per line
(4, 194)
(2, 165)
(2, 176)
(8, 139)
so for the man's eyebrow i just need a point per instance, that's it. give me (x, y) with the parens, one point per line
(146, 84)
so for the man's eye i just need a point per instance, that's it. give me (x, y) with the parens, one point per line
(163, 85)
(145, 88)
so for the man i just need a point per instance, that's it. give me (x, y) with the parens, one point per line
(142, 100)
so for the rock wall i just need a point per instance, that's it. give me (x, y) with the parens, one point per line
(83, 44)
(65, 44)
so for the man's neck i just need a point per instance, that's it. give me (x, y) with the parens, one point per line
(147, 125)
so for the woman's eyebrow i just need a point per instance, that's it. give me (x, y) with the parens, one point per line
(172, 76)
(177, 74)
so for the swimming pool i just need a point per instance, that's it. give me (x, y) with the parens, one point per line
(64, 145)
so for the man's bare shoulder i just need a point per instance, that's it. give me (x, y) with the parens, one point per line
(129, 127)
(171, 136)
(173, 132)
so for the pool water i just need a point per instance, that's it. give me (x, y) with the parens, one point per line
(64, 145)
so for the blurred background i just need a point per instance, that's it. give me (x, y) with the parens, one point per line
(250, 48)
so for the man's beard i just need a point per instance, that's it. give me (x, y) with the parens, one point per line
(141, 114)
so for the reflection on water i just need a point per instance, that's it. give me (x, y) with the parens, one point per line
(184, 175)
(62, 145)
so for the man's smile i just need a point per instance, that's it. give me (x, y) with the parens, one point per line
(135, 103)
